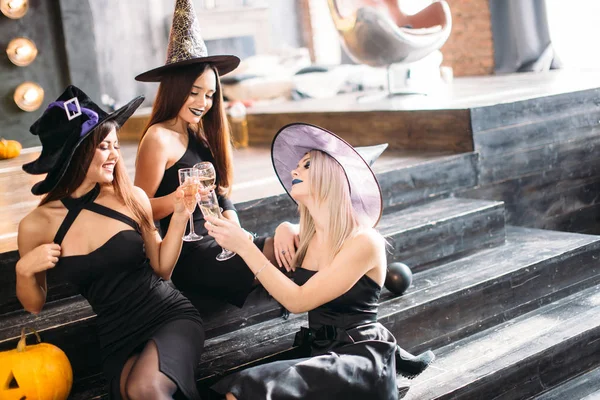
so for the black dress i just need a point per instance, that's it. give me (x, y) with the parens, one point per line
(133, 305)
(349, 355)
(197, 271)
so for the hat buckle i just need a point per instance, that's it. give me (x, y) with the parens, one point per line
(71, 114)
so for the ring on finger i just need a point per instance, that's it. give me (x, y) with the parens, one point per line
(283, 252)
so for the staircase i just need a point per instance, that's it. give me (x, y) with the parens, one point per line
(511, 312)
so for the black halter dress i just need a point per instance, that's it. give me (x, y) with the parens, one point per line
(350, 355)
(133, 305)
(198, 274)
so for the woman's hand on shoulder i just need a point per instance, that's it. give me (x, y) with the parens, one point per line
(40, 259)
(36, 254)
(285, 242)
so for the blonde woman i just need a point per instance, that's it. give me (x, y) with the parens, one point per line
(340, 268)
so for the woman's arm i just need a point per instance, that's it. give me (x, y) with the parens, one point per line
(36, 258)
(163, 253)
(150, 168)
(358, 255)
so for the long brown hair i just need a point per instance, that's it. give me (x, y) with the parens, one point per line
(172, 93)
(78, 168)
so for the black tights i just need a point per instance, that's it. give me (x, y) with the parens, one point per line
(142, 379)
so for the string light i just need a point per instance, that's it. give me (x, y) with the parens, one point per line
(21, 51)
(29, 96)
(14, 9)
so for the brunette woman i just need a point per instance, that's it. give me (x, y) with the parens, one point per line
(95, 230)
(188, 125)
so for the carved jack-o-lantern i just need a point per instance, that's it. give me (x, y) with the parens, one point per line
(36, 372)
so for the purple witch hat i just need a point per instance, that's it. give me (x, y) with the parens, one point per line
(293, 141)
(186, 46)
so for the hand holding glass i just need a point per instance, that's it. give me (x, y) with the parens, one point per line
(188, 179)
(209, 204)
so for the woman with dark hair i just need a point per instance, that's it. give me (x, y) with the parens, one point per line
(188, 125)
(95, 230)
(340, 268)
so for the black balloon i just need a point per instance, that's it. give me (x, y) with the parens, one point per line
(398, 278)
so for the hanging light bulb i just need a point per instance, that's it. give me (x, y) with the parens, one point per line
(14, 9)
(29, 96)
(21, 51)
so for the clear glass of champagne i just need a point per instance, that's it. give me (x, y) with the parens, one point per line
(188, 179)
(209, 204)
(206, 174)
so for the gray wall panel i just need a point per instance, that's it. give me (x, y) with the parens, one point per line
(43, 25)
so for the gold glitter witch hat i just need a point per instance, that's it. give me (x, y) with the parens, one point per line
(187, 47)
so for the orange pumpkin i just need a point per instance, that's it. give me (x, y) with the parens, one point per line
(9, 149)
(36, 372)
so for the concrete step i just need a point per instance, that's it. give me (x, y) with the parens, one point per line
(518, 358)
(438, 231)
(583, 387)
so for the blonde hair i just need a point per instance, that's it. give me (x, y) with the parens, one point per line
(330, 189)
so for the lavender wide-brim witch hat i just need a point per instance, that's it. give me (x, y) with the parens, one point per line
(186, 47)
(293, 141)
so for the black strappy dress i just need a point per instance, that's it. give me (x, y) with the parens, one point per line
(198, 273)
(133, 305)
(350, 355)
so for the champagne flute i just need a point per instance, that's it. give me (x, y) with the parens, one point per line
(206, 174)
(188, 179)
(210, 204)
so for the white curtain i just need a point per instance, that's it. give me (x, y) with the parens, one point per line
(574, 29)
(521, 34)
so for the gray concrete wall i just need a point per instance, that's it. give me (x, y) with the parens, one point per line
(132, 36)
(43, 25)
(100, 46)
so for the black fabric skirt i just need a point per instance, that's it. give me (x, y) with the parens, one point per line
(198, 273)
(359, 364)
(180, 344)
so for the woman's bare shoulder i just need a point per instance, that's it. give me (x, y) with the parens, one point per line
(37, 225)
(141, 197)
(158, 140)
(368, 238)
(160, 132)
